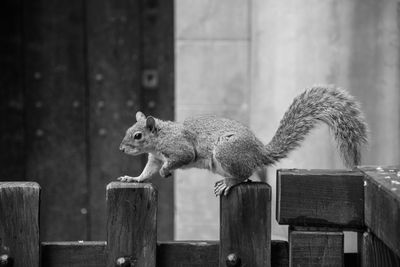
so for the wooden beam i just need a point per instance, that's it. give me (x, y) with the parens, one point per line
(373, 252)
(331, 198)
(279, 253)
(19, 222)
(245, 227)
(187, 253)
(74, 254)
(205, 253)
(169, 253)
(131, 223)
(307, 248)
(382, 204)
(351, 259)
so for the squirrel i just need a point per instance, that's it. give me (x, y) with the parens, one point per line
(230, 149)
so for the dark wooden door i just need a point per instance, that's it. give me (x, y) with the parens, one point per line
(74, 72)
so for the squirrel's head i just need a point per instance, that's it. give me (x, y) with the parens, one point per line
(139, 138)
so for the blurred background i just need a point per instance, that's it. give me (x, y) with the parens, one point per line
(73, 74)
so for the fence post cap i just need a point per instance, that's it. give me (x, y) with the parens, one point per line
(117, 185)
(19, 185)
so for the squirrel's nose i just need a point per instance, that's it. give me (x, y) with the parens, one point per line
(121, 147)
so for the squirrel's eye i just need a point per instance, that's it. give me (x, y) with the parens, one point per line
(137, 136)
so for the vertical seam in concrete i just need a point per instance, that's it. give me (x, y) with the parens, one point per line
(250, 61)
(87, 120)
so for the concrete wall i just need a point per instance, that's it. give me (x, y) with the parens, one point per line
(248, 59)
(212, 76)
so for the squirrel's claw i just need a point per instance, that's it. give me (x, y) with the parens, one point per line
(224, 186)
(221, 188)
(164, 173)
(129, 179)
(218, 183)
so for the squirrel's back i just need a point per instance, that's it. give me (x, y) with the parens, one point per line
(208, 129)
(213, 126)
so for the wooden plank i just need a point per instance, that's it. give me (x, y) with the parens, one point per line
(205, 253)
(307, 248)
(74, 254)
(157, 90)
(332, 198)
(245, 225)
(351, 259)
(373, 252)
(12, 163)
(113, 54)
(187, 253)
(131, 223)
(169, 253)
(279, 253)
(55, 114)
(19, 222)
(382, 204)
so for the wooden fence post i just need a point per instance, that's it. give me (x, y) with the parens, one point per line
(373, 252)
(316, 248)
(131, 224)
(19, 222)
(245, 227)
(380, 246)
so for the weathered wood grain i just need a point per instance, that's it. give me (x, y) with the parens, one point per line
(351, 259)
(245, 224)
(113, 62)
(131, 223)
(54, 79)
(332, 198)
(19, 222)
(374, 253)
(12, 161)
(187, 253)
(279, 253)
(158, 91)
(206, 253)
(382, 204)
(74, 254)
(317, 249)
(169, 253)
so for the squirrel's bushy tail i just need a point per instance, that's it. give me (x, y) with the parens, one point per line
(331, 105)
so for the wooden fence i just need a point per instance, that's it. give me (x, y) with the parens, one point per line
(317, 205)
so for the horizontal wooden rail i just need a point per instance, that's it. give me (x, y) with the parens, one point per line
(328, 198)
(169, 254)
(74, 254)
(187, 253)
(382, 204)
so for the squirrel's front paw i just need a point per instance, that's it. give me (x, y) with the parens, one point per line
(165, 173)
(129, 179)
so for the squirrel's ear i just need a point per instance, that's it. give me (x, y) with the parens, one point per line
(140, 116)
(151, 123)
